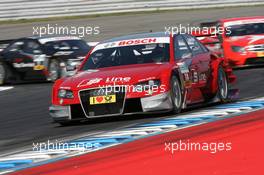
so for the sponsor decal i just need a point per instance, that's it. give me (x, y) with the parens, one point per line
(131, 42)
(89, 82)
(102, 99)
(108, 80)
(94, 81)
(137, 42)
(118, 79)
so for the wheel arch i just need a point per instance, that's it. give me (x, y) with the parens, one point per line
(176, 72)
(215, 63)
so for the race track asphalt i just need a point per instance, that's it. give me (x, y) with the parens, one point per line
(24, 117)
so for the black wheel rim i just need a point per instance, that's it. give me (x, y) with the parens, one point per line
(176, 91)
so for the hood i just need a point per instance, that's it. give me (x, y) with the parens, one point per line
(121, 75)
(246, 40)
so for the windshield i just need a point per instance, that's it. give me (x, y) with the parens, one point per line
(128, 55)
(246, 29)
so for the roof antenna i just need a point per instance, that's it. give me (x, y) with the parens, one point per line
(150, 31)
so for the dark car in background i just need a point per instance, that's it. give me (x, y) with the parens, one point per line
(41, 58)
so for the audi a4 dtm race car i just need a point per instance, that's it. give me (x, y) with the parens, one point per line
(37, 58)
(152, 72)
(241, 40)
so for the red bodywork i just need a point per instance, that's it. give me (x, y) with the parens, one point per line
(198, 82)
(250, 47)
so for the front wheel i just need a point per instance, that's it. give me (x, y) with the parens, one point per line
(176, 94)
(53, 71)
(223, 85)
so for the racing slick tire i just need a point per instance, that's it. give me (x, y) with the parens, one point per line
(53, 71)
(223, 85)
(3, 73)
(176, 95)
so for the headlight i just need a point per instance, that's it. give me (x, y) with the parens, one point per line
(238, 49)
(65, 94)
(146, 85)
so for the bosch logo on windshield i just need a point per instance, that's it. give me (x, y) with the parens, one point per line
(138, 41)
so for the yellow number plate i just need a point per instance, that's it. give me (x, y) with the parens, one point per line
(260, 54)
(102, 99)
(39, 67)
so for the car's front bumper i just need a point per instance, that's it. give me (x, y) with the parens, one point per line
(160, 102)
(157, 103)
(60, 113)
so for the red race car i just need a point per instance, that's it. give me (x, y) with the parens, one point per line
(152, 72)
(241, 40)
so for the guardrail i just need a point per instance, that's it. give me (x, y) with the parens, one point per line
(30, 9)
